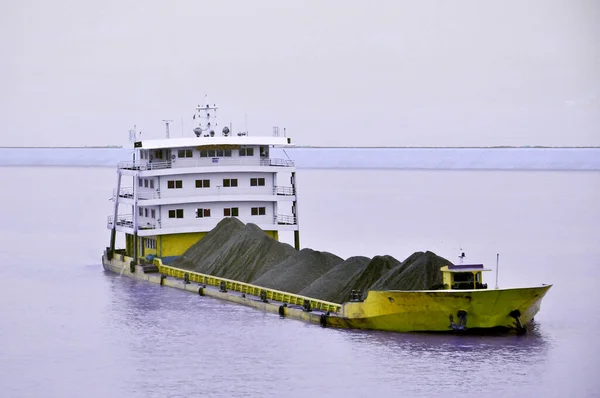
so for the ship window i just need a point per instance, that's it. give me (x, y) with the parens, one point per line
(203, 153)
(145, 212)
(174, 184)
(257, 182)
(141, 212)
(145, 183)
(219, 153)
(200, 213)
(211, 153)
(152, 184)
(141, 182)
(202, 183)
(231, 212)
(158, 154)
(227, 182)
(227, 153)
(463, 277)
(258, 211)
(177, 213)
(246, 151)
(153, 213)
(185, 153)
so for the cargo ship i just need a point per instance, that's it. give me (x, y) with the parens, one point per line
(177, 190)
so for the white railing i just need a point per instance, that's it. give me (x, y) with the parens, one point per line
(124, 193)
(285, 191)
(123, 220)
(127, 193)
(282, 219)
(205, 162)
(126, 220)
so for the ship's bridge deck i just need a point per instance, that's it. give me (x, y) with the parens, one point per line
(192, 142)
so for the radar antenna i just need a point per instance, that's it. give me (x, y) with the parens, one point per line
(462, 255)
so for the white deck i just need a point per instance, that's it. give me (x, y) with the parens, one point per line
(217, 140)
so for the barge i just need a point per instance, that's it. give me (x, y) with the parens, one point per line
(180, 188)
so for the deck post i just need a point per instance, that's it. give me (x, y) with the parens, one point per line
(135, 217)
(295, 211)
(113, 232)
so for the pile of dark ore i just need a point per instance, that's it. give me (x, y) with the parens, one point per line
(243, 252)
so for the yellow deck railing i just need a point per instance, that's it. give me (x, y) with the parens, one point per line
(246, 288)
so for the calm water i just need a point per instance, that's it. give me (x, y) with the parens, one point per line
(68, 329)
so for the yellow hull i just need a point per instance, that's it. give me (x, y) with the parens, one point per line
(397, 311)
(408, 311)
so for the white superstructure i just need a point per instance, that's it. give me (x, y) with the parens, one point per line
(178, 189)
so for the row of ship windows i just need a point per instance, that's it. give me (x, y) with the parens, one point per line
(227, 212)
(227, 182)
(176, 184)
(146, 183)
(150, 243)
(204, 153)
(214, 153)
(201, 213)
(143, 212)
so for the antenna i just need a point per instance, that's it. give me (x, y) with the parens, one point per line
(462, 255)
(246, 123)
(167, 126)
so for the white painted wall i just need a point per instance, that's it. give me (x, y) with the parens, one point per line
(216, 184)
(144, 220)
(216, 208)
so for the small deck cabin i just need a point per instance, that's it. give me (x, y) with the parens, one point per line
(463, 276)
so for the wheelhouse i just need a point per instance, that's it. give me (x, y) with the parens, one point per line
(463, 276)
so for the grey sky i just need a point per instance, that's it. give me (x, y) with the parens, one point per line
(331, 72)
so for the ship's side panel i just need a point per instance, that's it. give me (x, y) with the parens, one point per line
(177, 244)
(430, 310)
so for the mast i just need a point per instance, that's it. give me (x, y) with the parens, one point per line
(167, 127)
(206, 116)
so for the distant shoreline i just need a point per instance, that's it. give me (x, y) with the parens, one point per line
(335, 147)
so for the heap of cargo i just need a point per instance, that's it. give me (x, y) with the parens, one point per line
(245, 253)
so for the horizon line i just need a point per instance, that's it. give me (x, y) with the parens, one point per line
(337, 147)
